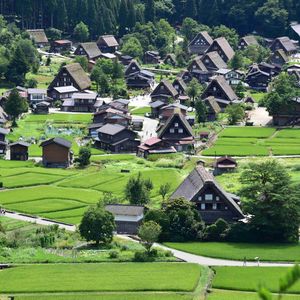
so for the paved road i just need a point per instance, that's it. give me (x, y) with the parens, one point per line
(149, 129)
(260, 117)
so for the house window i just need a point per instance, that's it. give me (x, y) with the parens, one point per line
(217, 198)
(172, 130)
(200, 198)
(214, 206)
(203, 206)
(226, 207)
(176, 124)
(208, 197)
(214, 89)
(180, 130)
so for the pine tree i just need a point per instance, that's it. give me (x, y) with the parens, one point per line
(191, 9)
(123, 17)
(149, 11)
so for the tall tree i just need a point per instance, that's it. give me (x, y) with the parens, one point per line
(149, 11)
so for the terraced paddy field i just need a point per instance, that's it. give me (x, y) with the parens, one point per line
(173, 280)
(64, 195)
(255, 141)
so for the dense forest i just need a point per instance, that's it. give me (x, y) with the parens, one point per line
(269, 18)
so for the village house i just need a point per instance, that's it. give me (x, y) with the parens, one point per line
(39, 37)
(233, 77)
(224, 164)
(81, 102)
(37, 95)
(63, 92)
(167, 111)
(155, 108)
(212, 202)
(3, 143)
(3, 116)
(186, 76)
(213, 61)
(107, 44)
(89, 50)
(41, 108)
(19, 151)
(151, 57)
(164, 92)
(278, 58)
(59, 46)
(154, 145)
(221, 91)
(272, 70)
(288, 116)
(198, 70)
(128, 218)
(257, 79)
(125, 59)
(246, 41)
(224, 49)
(116, 138)
(200, 43)
(56, 153)
(177, 132)
(170, 60)
(181, 87)
(213, 109)
(70, 75)
(284, 43)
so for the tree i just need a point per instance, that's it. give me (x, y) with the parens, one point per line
(15, 105)
(230, 34)
(194, 89)
(149, 233)
(201, 111)
(191, 9)
(164, 189)
(133, 47)
(235, 113)
(117, 70)
(81, 32)
(137, 190)
(237, 61)
(83, 61)
(272, 201)
(53, 34)
(240, 90)
(149, 11)
(84, 156)
(97, 225)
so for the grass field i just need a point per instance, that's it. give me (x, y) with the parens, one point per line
(238, 251)
(141, 111)
(172, 277)
(256, 141)
(248, 279)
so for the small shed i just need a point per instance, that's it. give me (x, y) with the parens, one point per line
(42, 108)
(225, 164)
(19, 150)
(128, 218)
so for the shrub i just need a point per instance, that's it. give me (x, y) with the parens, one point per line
(114, 254)
(142, 256)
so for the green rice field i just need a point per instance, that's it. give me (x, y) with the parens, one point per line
(255, 141)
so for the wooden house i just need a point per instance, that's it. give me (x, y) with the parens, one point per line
(257, 79)
(164, 92)
(278, 58)
(151, 57)
(116, 138)
(107, 44)
(198, 70)
(213, 109)
(89, 50)
(284, 43)
(224, 49)
(110, 115)
(233, 77)
(59, 46)
(154, 145)
(63, 92)
(247, 41)
(125, 59)
(155, 108)
(271, 69)
(213, 61)
(224, 164)
(37, 95)
(141, 80)
(170, 60)
(3, 143)
(41, 108)
(177, 132)
(81, 102)
(167, 111)
(56, 153)
(39, 37)
(200, 43)
(221, 91)
(212, 202)
(181, 88)
(288, 116)
(3, 116)
(19, 151)
(70, 75)
(132, 68)
(128, 218)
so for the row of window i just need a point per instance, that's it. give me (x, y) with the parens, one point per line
(172, 130)
(214, 206)
(208, 197)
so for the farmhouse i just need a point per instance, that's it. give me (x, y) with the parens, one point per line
(246, 41)
(63, 92)
(70, 75)
(210, 199)
(128, 218)
(257, 79)
(154, 145)
(200, 43)
(37, 95)
(177, 132)
(198, 70)
(224, 164)
(213, 108)
(278, 58)
(155, 108)
(59, 46)
(3, 116)
(167, 111)
(56, 153)
(151, 57)
(19, 151)
(3, 144)
(284, 43)
(181, 87)
(213, 61)
(90, 50)
(116, 138)
(233, 77)
(38, 36)
(107, 44)
(41, 108)
(81, 102)
(164, 91)
(170, 59)
(132, 68)
(224, 49)
(221, 91)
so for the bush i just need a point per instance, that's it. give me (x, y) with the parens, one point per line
(114, 254)
(142, 256)
(1, 184)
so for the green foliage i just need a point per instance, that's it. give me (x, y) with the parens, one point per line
(83, 61)
(194, 89)
(201, 111)
(235, 112)
(84, 156)
(132, 47)
(237, 62)
(81, 32)
(256, 53)
(97, 225)
(164, 189)
(53, 34)
(149, 233)
(229, 33)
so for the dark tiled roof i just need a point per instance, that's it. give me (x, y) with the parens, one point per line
(91, 49)
(111, 129)
(125, 210)
(59, 141)
(21, 143)
(79, 76)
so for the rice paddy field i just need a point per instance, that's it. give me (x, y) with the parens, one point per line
(64, 195)
(255, 141)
